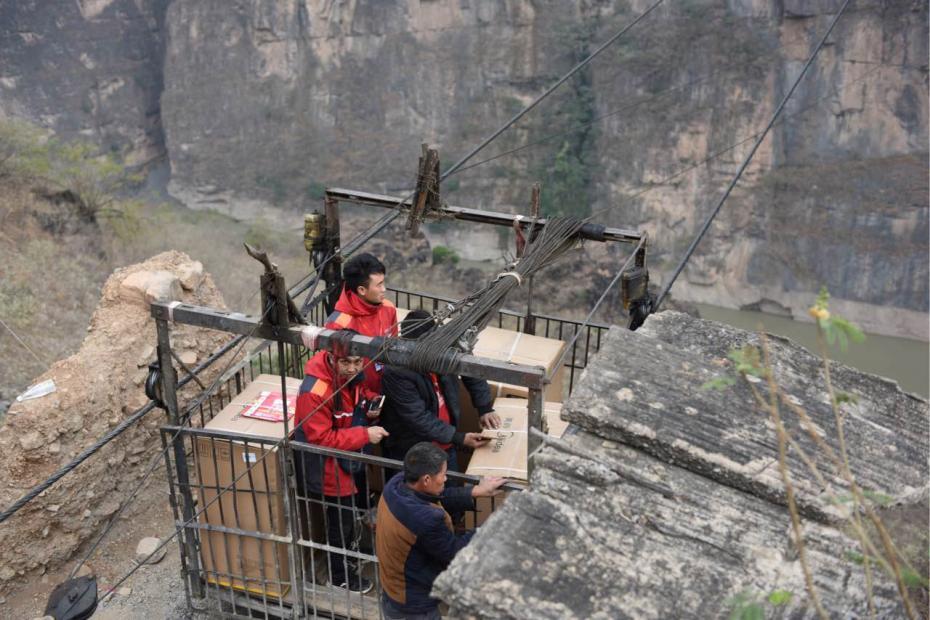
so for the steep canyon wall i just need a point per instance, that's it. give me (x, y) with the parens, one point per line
(267, 101)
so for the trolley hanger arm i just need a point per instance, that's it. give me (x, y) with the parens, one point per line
(399, 352)
(594, 232)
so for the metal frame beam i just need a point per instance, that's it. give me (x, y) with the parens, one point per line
(391, 350)
(594, 232)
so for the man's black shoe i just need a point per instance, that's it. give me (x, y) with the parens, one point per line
(354, 583)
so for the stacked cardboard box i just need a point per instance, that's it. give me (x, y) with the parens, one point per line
(518, 348)
(506, 455)
(256, 504)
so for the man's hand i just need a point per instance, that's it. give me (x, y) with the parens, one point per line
(488, 487)
(490, 420)
(474, 440)
(376, 434)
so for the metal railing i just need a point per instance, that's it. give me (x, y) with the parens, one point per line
(263, 358)
(547, 326)
(270, 545)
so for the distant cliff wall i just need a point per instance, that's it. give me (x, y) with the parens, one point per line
(261, 103)
(88, 68)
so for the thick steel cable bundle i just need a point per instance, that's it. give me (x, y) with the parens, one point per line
(473, 312)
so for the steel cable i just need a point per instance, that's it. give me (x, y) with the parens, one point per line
(473, 312)
(748, 158)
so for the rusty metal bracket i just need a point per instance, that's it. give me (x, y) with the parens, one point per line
(278, 309)
(426, 198)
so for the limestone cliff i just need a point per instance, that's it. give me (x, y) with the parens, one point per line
(267, 101)
(88, 68)
(276, 98)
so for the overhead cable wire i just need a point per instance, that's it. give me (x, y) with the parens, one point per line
(573, 129)
(20, 341)
(385, 221)
(749, 156)
(597, 304)
(473, 312)
(578, 67)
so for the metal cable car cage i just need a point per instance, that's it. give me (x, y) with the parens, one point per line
(259, 548)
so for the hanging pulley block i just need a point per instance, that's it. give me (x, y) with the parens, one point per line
(153, 384)
(634, 285)
(75, 599)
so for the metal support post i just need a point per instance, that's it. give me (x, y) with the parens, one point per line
(529, 322)
(291, 521)
(332, 273)
(169, 394)
(536, 420)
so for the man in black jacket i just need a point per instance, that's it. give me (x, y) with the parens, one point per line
(425, 407)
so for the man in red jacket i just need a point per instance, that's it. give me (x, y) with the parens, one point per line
(333, 411)
(362, 307)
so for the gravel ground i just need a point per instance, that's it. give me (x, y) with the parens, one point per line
(153, 592)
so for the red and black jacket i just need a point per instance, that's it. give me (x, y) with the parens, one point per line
(338, 422)
(353, 312)
(411, 409)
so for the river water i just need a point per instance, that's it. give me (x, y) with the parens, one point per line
(906, 361)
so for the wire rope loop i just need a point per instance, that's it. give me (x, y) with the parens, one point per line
(512, 274)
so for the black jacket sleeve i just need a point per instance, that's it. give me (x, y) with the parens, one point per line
(439, 542)
(457, 499)
(401, 389)
(480, 393)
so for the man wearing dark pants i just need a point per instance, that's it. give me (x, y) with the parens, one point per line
(425, 406)
(332, 407)
(416, 540)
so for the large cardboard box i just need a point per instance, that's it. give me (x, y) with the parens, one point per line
(506, 455)
(256, 501)
(519, 348)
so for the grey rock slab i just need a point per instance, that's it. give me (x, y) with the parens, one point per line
(647, 392)
(607, 531)
(665, 500)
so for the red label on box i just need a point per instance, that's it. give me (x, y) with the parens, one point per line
(269, 406)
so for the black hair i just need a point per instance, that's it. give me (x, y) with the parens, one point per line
(357, 271)
(423, 459)
(341, 341)
(417, 323)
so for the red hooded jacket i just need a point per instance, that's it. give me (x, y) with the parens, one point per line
(353, 312)
(337, 422)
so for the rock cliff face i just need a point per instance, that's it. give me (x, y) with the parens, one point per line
(96, 389)
(270, 100)
(666, 500)
(88, 68)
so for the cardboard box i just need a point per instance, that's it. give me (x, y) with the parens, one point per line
(519, 348)
(506, 456)
(256, 502)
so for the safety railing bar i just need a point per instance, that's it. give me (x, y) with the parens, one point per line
(311, 544)
(324, 451)
(261, 548)
(195, 525)
(509, 312)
